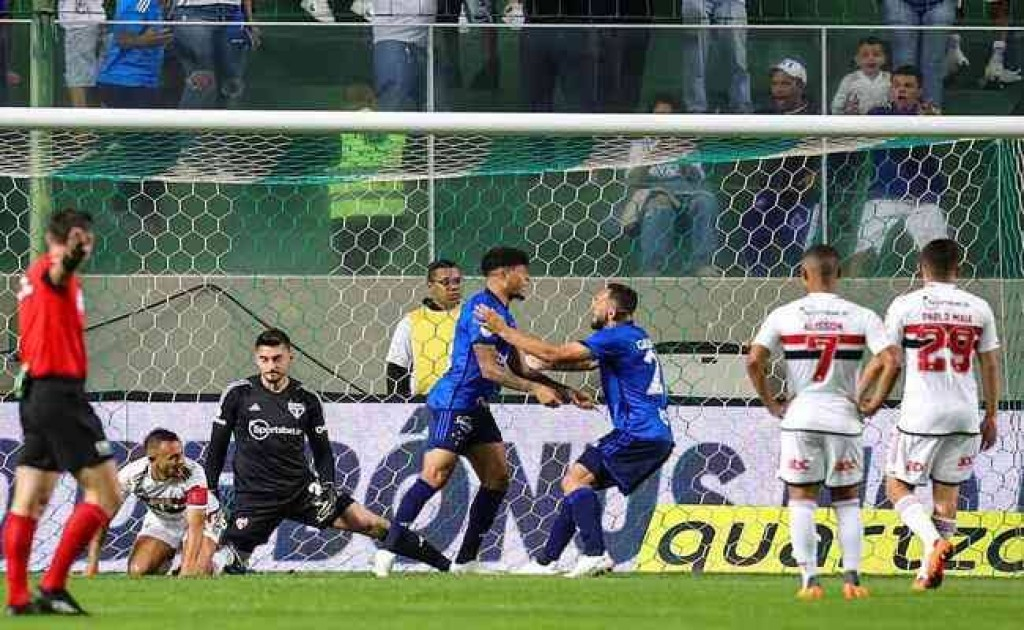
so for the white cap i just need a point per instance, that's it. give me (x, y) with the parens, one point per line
(793, 68)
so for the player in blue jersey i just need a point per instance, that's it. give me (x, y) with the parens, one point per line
(461, 423)
(634, 391)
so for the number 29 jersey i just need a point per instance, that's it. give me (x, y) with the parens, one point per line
(941, 329)
(822, 338)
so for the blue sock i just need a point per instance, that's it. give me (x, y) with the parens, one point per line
(559, 536)
(413, 502)
(481, 517)
(586, 511)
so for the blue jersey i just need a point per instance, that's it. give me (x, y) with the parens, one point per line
(906, 174)
(462, 386)
(631, 379)
(133, 67)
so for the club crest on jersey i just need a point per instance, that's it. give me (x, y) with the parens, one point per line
(241, 522)
(296, 409)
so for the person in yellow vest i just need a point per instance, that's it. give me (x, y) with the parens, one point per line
(421, 346)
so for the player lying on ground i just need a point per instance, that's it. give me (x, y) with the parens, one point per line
(461, 424)
(61, 430)
(271, 417)
(822, 338)
(940, 328)
(641, 440)
(181, 514)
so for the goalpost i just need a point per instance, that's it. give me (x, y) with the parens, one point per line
(214, 224)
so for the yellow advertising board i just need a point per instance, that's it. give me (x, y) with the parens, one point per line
(734, 539)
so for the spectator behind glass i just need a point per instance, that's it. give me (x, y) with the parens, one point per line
(552, 59)
(449, 53)
(702, 48)
(664, 196)
(924, 49)
(130, 72)
(213, 47)
(82, 21)
(784, 217)
(867, 87)
(907, 183)
(996, 72)
(622, 53)
(400, 53)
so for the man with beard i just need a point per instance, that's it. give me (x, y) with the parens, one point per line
(461, 423)
(181, 514)
(271, 417)
(638, 445)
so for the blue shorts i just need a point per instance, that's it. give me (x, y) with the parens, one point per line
(458, 430)
(620, 460)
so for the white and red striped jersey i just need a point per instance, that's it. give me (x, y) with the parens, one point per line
(941, 328)
(170, 498)
(822, 338)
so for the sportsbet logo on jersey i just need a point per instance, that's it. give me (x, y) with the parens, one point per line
(731, 539)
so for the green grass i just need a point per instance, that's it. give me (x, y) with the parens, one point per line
(623, 602)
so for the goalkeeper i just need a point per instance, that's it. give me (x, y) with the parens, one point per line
(271, 417)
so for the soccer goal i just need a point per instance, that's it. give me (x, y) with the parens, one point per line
(215, 225)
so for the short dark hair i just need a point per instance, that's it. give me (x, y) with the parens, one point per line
(158, 436)
(826, 258)
(870, 40)
(440, 263)
(941, 257)
(908, 70)
(501, 257)
(273, 337)
(665, 97)
(625, 298)
(63, 221)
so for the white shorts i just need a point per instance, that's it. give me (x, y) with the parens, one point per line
(916, 459)
(808, 458)
(81, 55)
(172, 532)
(925, 222)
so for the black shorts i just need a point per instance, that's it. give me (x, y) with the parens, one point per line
(62, 432)
(254, 518)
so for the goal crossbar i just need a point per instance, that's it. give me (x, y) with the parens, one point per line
(456, 123)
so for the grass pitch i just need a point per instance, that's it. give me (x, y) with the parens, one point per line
(621, 602)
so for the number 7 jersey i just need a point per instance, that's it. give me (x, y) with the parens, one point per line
(941, 329)
(822, 338)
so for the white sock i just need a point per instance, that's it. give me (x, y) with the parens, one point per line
(954, 41)
(998, 50)
(945, 526)
(804, 537)
(914, 516)
(851, 532)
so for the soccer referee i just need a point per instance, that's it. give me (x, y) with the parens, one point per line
(271, 416)
(61, 430)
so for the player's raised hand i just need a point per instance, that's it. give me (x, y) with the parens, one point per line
(80, 242)
(989, 432)
(490, 318)
(547, 396)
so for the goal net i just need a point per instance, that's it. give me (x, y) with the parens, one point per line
(324, 225)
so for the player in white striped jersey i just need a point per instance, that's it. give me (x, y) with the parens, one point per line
(822, 338)
(181, 513)
(941, 328)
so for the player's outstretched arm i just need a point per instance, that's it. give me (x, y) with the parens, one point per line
(494, 371)
(990, 388)
(757, 371)
(518, 363)
(220, 436)
(880, 376)
(572, 352)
